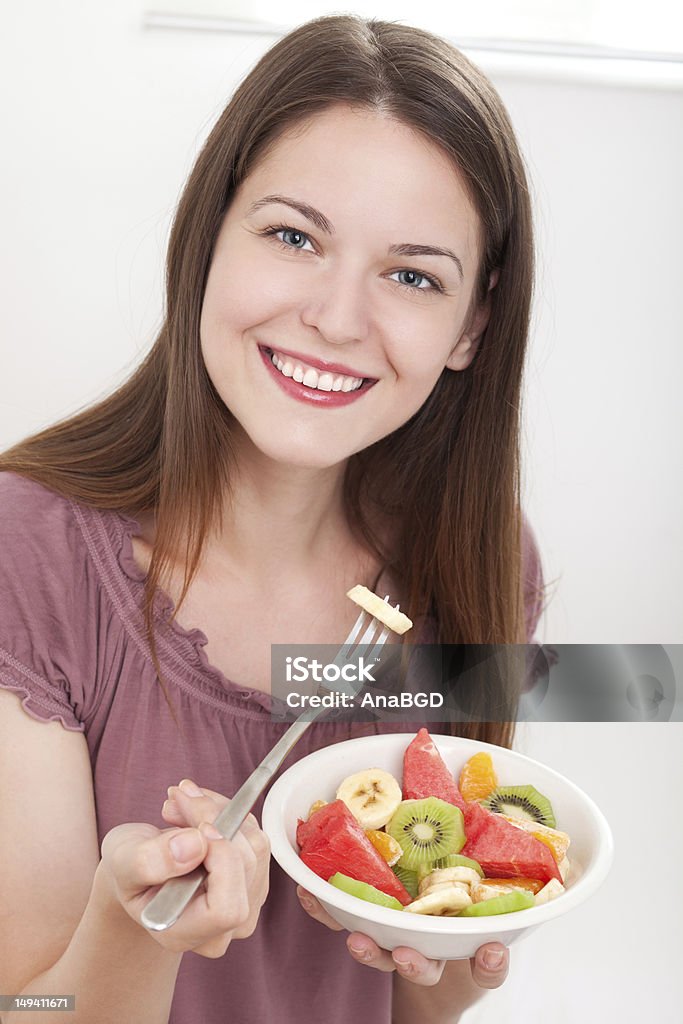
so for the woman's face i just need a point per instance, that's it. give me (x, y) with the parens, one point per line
(321, 263)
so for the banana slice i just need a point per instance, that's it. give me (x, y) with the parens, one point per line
(446, 885)
(371, 795)
(444, 903)
(481, 892)
(563, 868)
(440, 875)
(549, 891)
(382, 610)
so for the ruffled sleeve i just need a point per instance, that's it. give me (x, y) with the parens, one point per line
(48, 604)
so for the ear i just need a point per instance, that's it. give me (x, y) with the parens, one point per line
(466, 346)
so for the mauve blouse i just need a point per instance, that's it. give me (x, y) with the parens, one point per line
(72, 643)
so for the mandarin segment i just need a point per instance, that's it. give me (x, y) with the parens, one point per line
(478, 777)
(554, 839)
(558, 844)
(388, 847)
(534, 885)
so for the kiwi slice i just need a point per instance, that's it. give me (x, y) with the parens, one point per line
(409, 879)
(456, 860)
(521, 802)
(363, 891)
(426, 830)
(522, 899)
(451, 860)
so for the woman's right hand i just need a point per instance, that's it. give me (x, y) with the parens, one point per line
(137, 858)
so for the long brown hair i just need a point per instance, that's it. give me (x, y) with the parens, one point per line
(449, 478)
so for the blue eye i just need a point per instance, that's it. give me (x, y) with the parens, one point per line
(415, 279)
(296, 238)
(291, 238)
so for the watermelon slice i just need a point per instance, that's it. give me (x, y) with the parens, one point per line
(332, 840)
(425, 773)
(503, 850)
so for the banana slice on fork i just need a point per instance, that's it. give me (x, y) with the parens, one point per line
(379, 609)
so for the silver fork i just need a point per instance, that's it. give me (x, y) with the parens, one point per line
(164, 909)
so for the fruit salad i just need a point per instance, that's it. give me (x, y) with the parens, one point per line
(431, 846)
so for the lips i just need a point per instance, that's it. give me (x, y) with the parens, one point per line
(314, 387)
(321, 365)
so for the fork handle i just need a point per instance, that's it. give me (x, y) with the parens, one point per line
(164, 909)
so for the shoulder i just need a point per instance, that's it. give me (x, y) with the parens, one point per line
(38, 532)
(25, 504)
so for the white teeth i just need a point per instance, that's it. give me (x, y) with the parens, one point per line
(311, 378)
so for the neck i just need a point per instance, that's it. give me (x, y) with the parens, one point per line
(281, 521)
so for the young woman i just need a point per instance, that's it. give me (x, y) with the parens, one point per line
(333, 399)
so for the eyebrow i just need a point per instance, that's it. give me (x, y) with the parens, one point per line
(321, 222)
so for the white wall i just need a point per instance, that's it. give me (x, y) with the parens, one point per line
(101, 123)
(102, 120)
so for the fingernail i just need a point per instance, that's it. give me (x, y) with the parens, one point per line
(307, 904)
(361, 952)
(493, 958)
(188, 787)
(170, 807)
(405, 965)
(210, 831)
(186, 845)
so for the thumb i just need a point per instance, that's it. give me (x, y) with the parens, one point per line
(139, 856)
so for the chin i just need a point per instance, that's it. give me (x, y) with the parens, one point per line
(298, 453)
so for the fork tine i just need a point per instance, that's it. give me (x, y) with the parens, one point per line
(369, 633)
(381, 639)
(352, 641)
(352, 635)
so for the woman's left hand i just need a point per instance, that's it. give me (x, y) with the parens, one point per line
(407, 962)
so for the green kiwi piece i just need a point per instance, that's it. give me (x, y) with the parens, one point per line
(363, 891)
(451, 860)
(426, 830)
(521, 802)
(504, 904)
(409, 879)
(456, 860)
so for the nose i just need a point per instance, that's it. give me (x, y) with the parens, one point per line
(337, 305)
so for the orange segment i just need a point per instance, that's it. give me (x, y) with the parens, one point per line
(386, 845)
(534, 885)
(557, 843)
(478, 778)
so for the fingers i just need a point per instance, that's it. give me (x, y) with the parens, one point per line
(490, 965)
(191, 804)
(139, 856)
(407, 962)
(417, 968)
(365, 951)
(314, 910)
(188, 804)
(410, 964)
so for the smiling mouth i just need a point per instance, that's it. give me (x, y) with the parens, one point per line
(310, 377)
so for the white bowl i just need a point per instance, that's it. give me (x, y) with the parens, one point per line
(317, 776)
